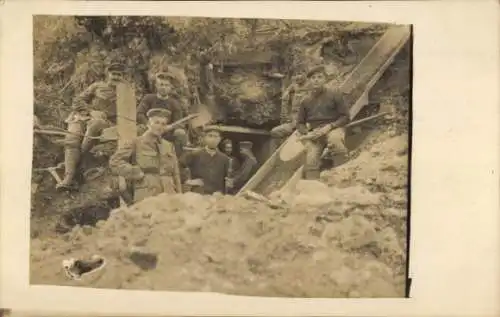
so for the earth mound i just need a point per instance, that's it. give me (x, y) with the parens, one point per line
(342, 237)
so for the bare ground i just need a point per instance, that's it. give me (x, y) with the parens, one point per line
(343, 237)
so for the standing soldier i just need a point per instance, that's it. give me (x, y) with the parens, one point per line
(227, 148)
(93, 111)
(149, 163)
(326, 113)
(163, 99)
(209, 168)
(248, 165)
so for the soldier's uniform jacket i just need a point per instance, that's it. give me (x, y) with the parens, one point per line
(323, 108)
(211, 168)
(156, 158)
(101, 96)
(246, 170)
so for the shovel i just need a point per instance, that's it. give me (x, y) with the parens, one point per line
(294, 146)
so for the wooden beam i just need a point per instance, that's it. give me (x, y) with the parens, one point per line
(126, 111)
(127, 118)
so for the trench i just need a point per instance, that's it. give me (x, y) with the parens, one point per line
(91, 215)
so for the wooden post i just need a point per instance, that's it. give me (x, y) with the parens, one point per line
(126, 120)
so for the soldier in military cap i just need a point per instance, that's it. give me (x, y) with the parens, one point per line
(209, 168)
(163, 98)
(248, 165)
(322, 114)
(149, 163)
(93, 111)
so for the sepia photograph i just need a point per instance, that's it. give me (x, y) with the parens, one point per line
(255, 157)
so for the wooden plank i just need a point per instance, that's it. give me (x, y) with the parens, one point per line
(126, 116)
(401, 37)
(391, 43)
(264, 170)
(126, 111)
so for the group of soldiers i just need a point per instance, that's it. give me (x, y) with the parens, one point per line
(156, 161)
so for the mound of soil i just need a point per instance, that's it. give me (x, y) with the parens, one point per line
(343, 237)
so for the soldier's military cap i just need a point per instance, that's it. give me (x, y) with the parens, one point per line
(246, 144)
(116, 67)
(158, 112)
(164, 76)
(211, 128)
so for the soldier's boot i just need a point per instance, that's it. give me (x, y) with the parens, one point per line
(71, 163)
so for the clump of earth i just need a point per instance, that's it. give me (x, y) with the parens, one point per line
(343, 236)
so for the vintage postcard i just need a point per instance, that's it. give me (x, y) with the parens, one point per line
(260, 157)
(244, 156)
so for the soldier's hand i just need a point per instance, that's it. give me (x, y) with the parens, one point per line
(324, 130)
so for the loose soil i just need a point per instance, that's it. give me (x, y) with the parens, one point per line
(342, 237)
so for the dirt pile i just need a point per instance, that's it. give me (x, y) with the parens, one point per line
(341, 238)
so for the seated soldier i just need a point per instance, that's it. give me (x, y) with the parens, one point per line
(93, 111)
(209, 168)
(323, 115)
(149, 163)
(164, 99)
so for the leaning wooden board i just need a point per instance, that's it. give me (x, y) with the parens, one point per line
(126, 113)
(126, 116)
(356, 85)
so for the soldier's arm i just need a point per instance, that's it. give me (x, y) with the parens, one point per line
(142, 109)
(120, 162)
(86, 96)
(341, 104)
(186, 162)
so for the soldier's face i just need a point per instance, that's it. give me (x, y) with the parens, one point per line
(212, 139)
(157, 125)
(164, 87)
(228, 148)
(317, 80)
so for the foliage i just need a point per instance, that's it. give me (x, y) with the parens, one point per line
(71, 52)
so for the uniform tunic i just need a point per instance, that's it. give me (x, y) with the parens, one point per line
(101, 96)
(246, 170)
(326, 107)
(156, 158)
(211, 168)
